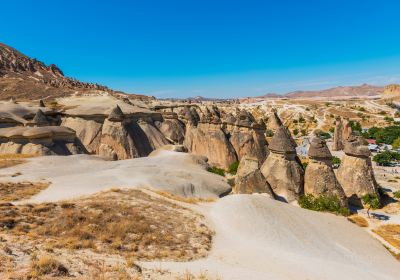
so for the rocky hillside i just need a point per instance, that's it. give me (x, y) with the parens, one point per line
(22, 77)
(342, 91)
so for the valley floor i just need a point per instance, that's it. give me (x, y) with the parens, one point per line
(130, 220)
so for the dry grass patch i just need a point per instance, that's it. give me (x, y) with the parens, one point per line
(358, 220)
(8, 160)
(124, 222)
(21, 190)
(191, 200)
(46, 265)
(390, 233)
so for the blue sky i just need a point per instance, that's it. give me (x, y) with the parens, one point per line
(211, 48)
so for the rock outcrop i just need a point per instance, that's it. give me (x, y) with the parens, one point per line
(39, 119)
(249, 178)
(172, 128)
(209, 139)
(342, 133)
(247, 137)
(355, 173)
(283, 169)
(319, 178)
(47, 140)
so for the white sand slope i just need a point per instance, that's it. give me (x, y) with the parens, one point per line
(259, 238)
(74, 176)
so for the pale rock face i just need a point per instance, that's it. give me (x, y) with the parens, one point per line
(173, 130)
(356, 176)
(46, 140)
(285, 176)
(88, 132)
(209, 140)
(155, 138)
(338, 136)
(248, 141)
(249, 178)
(320, 179)
(116, 142)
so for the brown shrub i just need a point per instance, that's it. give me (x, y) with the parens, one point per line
(358, 220)
(125, 222)
(10, 191)
(390, 233)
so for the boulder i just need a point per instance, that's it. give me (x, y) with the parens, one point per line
(319, 178)
(249, 178)
(282, 168)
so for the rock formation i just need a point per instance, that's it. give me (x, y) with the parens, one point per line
(341, 134)
(355, 173)
(249, 178)
(338, 135)
(209, 139)
(47, 140)
(319, 176)
(172, 128)
(39, 119)
(282, 168)
(274, 122)
(247, 136)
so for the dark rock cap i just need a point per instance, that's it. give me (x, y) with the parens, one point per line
(244, 118)
(318, 149)
(356, 146)
(40, 118)
(229, 119)
(41, 103)
(281, 142)
(116, 114)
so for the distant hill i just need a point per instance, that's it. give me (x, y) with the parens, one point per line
(336, 92)
(341, 91)
(22, 77)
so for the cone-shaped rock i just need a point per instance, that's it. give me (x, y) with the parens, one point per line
(319, 178)
(41, 103)
(274, 122)
(116, 115)
(355, 173)
(283, 169)
(39, 119)
(281, 142)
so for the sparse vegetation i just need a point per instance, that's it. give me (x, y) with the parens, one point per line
(390, 233)
(397, 194)
(371, 200)
(8, 160)
(233, 168)
(358, 220)
(134, 223)
(191, 200)
(323, 203)
(17, 191)
(216, 170)
(336, 162)
(45, 265)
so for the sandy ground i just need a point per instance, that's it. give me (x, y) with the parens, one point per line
(259, 238)
(74, 176)
(255, 236)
